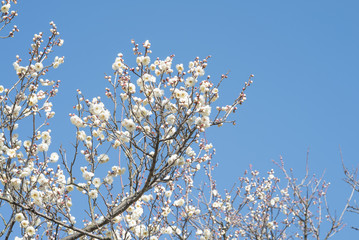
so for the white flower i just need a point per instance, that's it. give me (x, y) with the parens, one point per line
(108, 179)
(271, 225)
(207, 233)
(205, 85)
(93, 194)
(166, 211)
(77, 121)
(69, 203)
(179, 202)
(118, 65)
(69, 188)
(45, 135)
(96, 182)
(35, 194)
(129, 125)
(103, 158)
(30, 230)
(147, 198)
(97, 108)
(104, 115)
(139, 60)
(57, 61)
(24, 223)
(87, 175)
(120, 171)
(116, 144)
(190, 82)
(190, 152)
(15, 182)
(171, 119)
(173, 159)
(250, 198)
(43, 147)
(117, 219)
(54, 157)
(38, 66)
(25, 172)
(81, 135)
(130, 88)
(148, 78)
(176, 160)
(199, 232)
(180, 68)
(167, 230)
(205, 110)
(19, 217)
(1, 88)
(157, 92)
(11, 153)
(191, 64)
(168, 193)
(146, 60)
(216, 204)
(5, 8)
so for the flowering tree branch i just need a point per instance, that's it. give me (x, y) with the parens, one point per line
(152, 122)
(6, 17)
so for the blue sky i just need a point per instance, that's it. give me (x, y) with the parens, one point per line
(304, 55)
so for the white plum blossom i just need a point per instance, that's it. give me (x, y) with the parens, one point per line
(147, 198)
(129, 88)
(33, 99)
(11, 152)
(43, 147)
(157, 92)
(171, 119)
(15, 182)
(166, 211)
(96, 182)
(179, 202)
(146, 60)
(190, 82)
(5, 8)
(154, 137)
(19, 217)
(30, 230)
(168, 194)
(87, 175)
(103, 158)
(24, 223)
(129, 125)
(54, 157)
(38, 66)
(77, 121)
(108, 179)
(93, 194)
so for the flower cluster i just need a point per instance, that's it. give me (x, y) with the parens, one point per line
(136, 156)
(7, 15)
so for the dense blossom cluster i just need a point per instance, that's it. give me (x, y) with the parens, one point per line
(162, 117)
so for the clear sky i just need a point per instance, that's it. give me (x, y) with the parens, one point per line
(304, 55)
